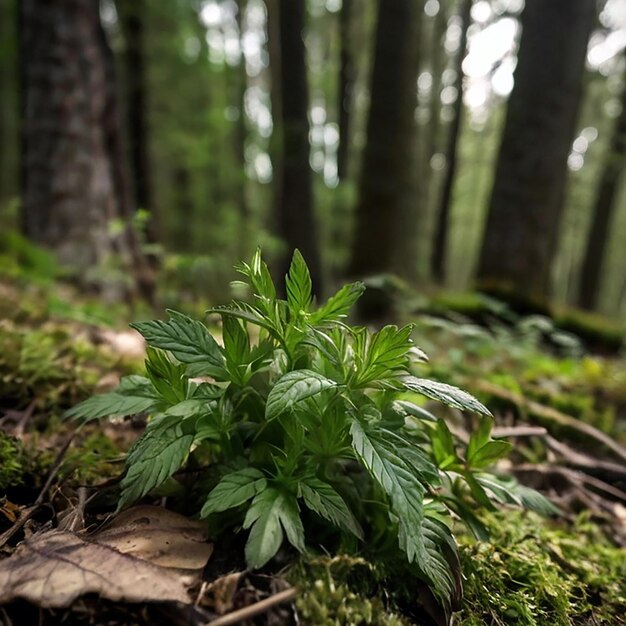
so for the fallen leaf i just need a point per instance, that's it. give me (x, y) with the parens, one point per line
(146, 554)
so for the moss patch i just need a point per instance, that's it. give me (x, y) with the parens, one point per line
(534, 573)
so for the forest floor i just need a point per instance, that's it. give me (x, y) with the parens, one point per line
(561, 401)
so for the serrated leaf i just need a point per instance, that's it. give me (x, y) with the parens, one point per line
(153, 459)
(233, 490)
(406, 494)
(298, 284)
(135, 394)
(260, 278)
(339, 305)
(271, 512)
(188, 340)
(448, 394)
(326, 502)
(247, 313)
(380, 355)
(236, 340)
(293, 388)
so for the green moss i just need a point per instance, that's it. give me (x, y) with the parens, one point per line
(54, 364)
(534, 573)
(13, 462)
(93, 459)
(338, 591)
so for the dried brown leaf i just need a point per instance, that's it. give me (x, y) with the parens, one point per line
(146, 554)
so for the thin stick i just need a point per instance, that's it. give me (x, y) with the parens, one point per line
(257, 608)
(28, 512)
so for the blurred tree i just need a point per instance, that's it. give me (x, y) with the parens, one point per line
(437, 58)
(74, 185)
(8, 103)
(131, 17)
(345, 87)
(294, 204)
(442, 225)
(603, 210)
(527, 196)
(386, 226)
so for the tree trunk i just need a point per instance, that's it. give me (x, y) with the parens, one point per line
(385, 238)
(345, 87)
(527, 196)
(431, 132)
(73, 178)
(442, 225)
(241, 133)
(615, 162)
(295, 217)
(8, 104)
(131, 13)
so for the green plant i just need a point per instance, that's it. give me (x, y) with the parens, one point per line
(312, 414)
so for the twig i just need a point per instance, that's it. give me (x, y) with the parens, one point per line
(247, 612)
(573, 477)
(546, 414)
(28, 512)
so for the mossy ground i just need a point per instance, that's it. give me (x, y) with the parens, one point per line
(533, 572)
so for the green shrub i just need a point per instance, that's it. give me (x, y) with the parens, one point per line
(308, 419)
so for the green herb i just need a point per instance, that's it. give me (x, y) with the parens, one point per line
(287, 416)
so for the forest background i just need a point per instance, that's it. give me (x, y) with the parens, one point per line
(453, 143)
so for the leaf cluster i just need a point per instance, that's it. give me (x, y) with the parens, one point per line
(305, 417)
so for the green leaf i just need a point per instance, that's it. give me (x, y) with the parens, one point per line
(292, 388)
(188, 340)
(326, 502)
(491, 452)
(233, 490)
(481, 449)
(247, 313)
(271, 512)
(400, 482)
(299, 286)
(339, 305)
(260, 278)
(480, 436)
(167, 377)
(509, 491)
(442, 442)
(448, 394)
(158, 454)
(380, 355)
(236, 341)
(407, 408)
(135, 394)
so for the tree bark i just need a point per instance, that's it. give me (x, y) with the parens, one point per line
(132, 18)
(295, 216)
(8, 103)
(385, 238)
(345, 87)
(442, 224)
(604, 208)
(527, 197)
(74, 182)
